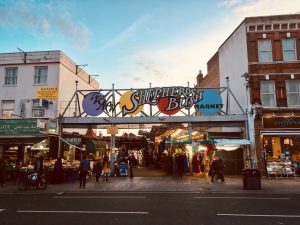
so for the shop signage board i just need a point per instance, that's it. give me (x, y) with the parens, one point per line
(169, 101)
(48, 93)
(282, 122)
(53, 126)
(11, 127)
(73, 140)
(112, 130)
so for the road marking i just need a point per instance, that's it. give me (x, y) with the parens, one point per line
(263, 198)
(135, 192)
(94, 197)
(81, 212)
(6, 193)
(257, 215)
(1, 210)
(60, 193)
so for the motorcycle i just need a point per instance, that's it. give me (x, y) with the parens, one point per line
(32, 179)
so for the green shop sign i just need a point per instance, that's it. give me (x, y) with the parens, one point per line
(14, 127)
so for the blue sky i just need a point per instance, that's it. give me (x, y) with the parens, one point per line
(131, 43)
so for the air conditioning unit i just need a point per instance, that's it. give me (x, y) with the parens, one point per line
(44, 103)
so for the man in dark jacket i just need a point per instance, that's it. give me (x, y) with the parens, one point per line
(132, 162)
(83, 168)
(219, 167)
(2, 172)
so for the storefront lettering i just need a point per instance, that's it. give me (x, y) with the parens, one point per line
(168, 99)
(287, 122)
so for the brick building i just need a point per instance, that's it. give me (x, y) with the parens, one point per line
(261, 59)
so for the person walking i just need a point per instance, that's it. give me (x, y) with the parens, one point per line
(132, 162)
(39, 166)
(2, 172)
(83, 168)
(219, 167)
(58, 171)
(214, 169)
(98, 168)
(105, 169)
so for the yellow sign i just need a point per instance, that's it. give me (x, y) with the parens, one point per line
(48, 93)
(112, 130)
(125, 100)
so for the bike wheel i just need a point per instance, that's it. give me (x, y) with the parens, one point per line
(42, 183)
(22, 184)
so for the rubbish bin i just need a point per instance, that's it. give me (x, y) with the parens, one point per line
(251, 179)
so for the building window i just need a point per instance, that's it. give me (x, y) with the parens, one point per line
(11, 75)
(264, 51)
(293, 92)
(267, 90)
(37, 109)
(8, 108)
(40, 75)
(289, 49)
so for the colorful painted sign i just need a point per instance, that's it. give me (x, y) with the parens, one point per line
(169, 101)
(211, 102)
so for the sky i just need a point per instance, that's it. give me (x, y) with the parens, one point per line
(131, 43)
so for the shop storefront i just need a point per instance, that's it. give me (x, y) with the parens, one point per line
(280, 139)
(22, 141)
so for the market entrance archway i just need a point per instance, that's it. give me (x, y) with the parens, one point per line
(171, 107)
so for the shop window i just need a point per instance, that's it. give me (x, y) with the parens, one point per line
(267, 90)
(40, 76)
(293, 92)
(264, 50)
(8, 108)
(11, 75)
(289, 49)
(37, 109)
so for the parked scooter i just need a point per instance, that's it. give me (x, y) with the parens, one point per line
(32, 179)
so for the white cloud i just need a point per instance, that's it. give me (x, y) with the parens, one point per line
(229, 3)
(179, 62)
(128, 32)
(268, 7)
(41, 20)
(79, 33)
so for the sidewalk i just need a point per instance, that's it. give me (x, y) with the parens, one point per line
(233, 184)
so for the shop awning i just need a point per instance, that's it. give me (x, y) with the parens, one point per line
(280, 133)
(232, 141)
(29, 140)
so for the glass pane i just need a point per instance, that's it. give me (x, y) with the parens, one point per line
(288, 43)
(268, 100)
(265, 57)
(289, 55)
(7, 105)
(293, 99)
(264, 45)
(267, 86)
(292, 86)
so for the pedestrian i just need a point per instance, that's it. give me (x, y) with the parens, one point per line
(206, 164)
(58, 172)
(83, 168)
(105, 169)
(98, 168)
(214, 169)
(220, 166)
(2, 172)
(39, 166)
(132, 162)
